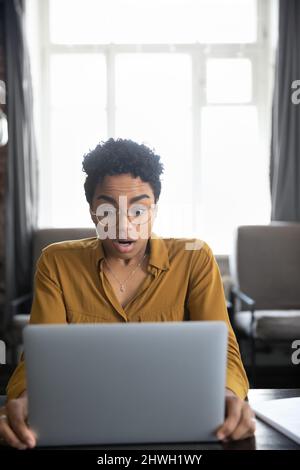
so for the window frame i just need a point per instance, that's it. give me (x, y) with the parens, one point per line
(260, 53)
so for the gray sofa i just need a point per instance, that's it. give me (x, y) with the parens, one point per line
(265, 270)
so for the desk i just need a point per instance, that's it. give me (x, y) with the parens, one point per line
(266, 438)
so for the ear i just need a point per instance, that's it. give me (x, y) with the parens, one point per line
(93, 217)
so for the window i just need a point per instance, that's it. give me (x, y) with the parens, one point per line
(190, 78)
(153, 21)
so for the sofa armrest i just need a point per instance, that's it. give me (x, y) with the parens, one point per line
(237, 293)
(15, 304)
(244, 298)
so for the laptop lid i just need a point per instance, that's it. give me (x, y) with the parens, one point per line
(126, 383)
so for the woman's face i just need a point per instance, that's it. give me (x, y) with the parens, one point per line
(123, 209)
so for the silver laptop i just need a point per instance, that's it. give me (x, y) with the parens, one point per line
(126, 383)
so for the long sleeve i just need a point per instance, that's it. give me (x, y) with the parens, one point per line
(206, 301)
(47, 307)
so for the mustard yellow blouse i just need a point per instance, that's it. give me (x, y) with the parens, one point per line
(184, 283)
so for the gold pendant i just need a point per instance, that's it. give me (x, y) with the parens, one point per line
(122, 288)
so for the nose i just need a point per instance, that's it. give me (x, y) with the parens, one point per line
(122, 225)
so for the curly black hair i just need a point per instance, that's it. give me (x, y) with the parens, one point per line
(115, 157)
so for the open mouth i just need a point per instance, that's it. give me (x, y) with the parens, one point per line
(124, 246)
(125, 242)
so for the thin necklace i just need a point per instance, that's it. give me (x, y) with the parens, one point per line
(122, 284)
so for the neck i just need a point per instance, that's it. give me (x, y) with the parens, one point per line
(124, 263)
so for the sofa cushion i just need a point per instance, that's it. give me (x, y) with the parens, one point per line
(270, 324)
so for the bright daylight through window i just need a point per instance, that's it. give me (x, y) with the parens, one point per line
(194, 85)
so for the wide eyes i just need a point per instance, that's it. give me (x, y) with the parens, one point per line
(137, 214)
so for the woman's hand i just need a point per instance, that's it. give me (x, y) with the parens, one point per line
(13, 426)
(240, 419)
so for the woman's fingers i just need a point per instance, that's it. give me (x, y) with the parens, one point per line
(13, 427)
(239, 422)
(17, 415)
(8, 435)
(233, 415)
(246, 426)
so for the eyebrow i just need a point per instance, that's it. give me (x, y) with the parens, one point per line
(133, 199)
